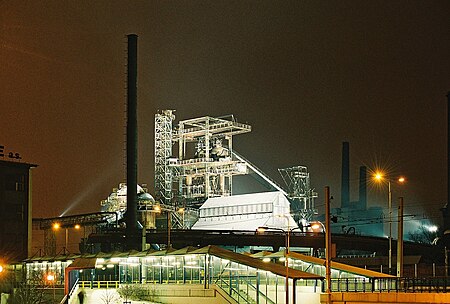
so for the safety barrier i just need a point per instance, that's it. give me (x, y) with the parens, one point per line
(434, 284)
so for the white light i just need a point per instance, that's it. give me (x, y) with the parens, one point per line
(110, 266)
(100, 260)
(266, 260)
(433, 228)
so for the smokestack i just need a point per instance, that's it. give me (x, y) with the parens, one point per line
(131, 213)
(446, 209)
(448, 150)
(345, 182)
(363, 187)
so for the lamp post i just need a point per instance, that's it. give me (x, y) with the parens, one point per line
(400, 239)
(379, 176)
(51, 279)
(56, 226)
(328, 243)
(287, 234)
(159, 209)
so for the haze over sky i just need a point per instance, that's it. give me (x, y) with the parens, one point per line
(306, 75)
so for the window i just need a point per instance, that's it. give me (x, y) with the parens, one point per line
(15, 182)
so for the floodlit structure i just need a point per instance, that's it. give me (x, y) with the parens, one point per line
(204, 166)
(300, 191)
(246, 212)
(117, 202)
(194, 168)
(163, 152)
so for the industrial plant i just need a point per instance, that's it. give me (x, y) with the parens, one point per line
(188, 238)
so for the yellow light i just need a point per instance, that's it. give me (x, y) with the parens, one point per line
(157, 208)
(77, 226)
(316, 226)
(401, 179)
(378, 176)
(181, 210)
(261, 230)
(56, 226)
(1, 268)
(50, 277)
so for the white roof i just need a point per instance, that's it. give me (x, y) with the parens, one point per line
(243, 199)
(278, 217)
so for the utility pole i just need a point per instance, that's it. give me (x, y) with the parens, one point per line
(328, 243)
(400, 239)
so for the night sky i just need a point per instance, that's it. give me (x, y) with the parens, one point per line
(306, 75)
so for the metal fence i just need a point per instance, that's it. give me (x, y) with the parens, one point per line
(432, 284)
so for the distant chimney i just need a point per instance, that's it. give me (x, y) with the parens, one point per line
(363, 187)
(131, 213)
(345, 182)
(446, 209)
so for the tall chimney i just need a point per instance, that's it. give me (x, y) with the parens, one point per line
(448, 150)
(446, 209)
(363, 187)
(131, 213)
(345, 182)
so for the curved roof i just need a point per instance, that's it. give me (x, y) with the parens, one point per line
(334, 265)
(256, 263)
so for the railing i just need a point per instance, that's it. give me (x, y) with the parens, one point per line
(242, 290)
(98, 284)
(66, 298)
(434, 284)
(236, 294)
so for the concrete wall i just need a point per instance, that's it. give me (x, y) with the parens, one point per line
(188, 294)
(384, 298)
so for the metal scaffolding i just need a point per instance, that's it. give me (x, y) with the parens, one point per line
(163, 151)
(299, 191)
(205, 167)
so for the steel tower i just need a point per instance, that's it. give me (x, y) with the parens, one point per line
(163, 151)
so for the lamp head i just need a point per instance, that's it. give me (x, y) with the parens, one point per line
(157, 208)
(261, 229)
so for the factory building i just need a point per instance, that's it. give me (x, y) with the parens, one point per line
(245, 212)
(15, 209)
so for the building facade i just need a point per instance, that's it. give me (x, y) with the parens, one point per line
(15, 210)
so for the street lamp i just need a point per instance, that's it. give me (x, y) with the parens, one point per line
(51, 279)
(380, 177)
(159, 209)
(287, 233)
(56, 227)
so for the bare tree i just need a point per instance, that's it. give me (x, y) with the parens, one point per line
(30, 291)
(110, 297)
